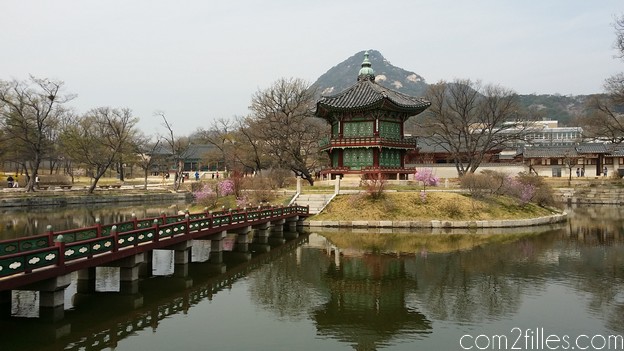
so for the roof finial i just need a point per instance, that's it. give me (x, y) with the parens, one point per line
(366, 72)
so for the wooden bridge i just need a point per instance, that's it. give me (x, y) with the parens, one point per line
(44, 262)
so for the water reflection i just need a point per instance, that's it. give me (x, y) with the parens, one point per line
(362, 290)
(20, 222)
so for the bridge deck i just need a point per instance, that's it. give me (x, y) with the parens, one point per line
(35, 258)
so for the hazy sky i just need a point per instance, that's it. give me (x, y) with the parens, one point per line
(201, 60)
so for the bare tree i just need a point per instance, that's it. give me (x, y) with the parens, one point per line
(605, 120)
(619, 36)
(30, 112)
(221, 136)
(97, 138)
(177, 147)
(145, 148)
(235, 145)
(471, 121)
(283, 122)
(250, 153)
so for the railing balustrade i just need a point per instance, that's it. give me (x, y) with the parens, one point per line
(23, 255)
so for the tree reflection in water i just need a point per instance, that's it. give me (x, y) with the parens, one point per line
(371, 291)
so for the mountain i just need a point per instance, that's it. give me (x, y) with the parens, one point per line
(344, 75)
(564, 109)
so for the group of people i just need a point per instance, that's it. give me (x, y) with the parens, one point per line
(14, 183)
(580, 172)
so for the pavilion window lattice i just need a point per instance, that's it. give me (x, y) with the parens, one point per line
(390, 158)
(389, 130)
(358, 129)
(358, 158)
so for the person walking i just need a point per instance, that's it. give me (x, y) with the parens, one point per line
(9, 182)
(605, 171)
(578, 172)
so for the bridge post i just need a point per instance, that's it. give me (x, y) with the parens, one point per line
(86, 280)
(5, 304)
(145, 269)
(129, 268)
(216, 247)
(51, 297)
(181, 257)
(241, 246)
(291, 227)
(242, 239)
(277, 232)
(261, 238)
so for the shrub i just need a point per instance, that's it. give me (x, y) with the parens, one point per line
(374, 186)
(453, 209)
(496, 181)
(205, 196)
(226, 187)
(479, 185)
(242, 201)
(423, 196)
(279, 178)
(544, 195)
(521, 190)
(259, 189)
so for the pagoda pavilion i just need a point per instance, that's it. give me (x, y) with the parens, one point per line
(367, 122)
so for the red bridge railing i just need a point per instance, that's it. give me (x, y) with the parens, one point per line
(26, 254)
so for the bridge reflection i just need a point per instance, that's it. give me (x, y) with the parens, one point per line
(101, 319)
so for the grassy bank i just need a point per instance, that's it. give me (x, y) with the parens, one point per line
(437, 205)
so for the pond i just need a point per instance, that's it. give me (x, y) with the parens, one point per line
(559, 287)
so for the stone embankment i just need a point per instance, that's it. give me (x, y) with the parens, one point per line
(599, 194)
(556, 218)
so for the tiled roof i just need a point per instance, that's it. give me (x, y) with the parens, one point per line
(367, 94)
(193, 152)
(591, 148)
(570, 151)
(616, 150)
(550, 151)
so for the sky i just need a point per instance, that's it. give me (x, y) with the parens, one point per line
(197, 61)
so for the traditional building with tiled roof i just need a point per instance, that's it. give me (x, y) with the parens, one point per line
(367, 122)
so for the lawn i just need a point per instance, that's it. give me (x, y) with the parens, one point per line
(405, 206)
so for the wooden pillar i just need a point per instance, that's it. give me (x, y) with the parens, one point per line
(340, 157)
(376, 157)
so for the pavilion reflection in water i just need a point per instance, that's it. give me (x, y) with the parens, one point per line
(367, 303)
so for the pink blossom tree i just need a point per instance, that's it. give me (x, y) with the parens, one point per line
(426, 177)
(226, 187)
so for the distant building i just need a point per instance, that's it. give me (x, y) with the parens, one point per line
(549, 133)
(193, 159)
(367, 128)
